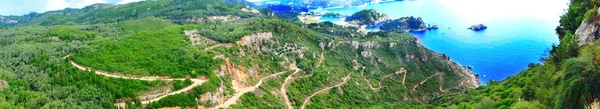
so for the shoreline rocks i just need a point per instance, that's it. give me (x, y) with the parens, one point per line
(478, 27)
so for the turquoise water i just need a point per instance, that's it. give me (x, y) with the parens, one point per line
(519, 31)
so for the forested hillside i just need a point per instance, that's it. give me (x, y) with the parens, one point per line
(568, 79)
(213, 54)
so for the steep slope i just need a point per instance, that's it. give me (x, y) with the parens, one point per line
(568, 79)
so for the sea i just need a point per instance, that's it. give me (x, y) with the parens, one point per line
(519, 32)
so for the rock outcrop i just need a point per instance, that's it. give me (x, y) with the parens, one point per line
(410, 23)
(3, 84)
(478, 27)
(368, 17)
(588, 31)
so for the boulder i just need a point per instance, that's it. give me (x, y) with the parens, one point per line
(588, 31)
(478, 27)
(3, 84)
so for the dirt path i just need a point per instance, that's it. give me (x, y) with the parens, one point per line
(362, 73)
(446, 90)
(345, 79)
(385, 76)
(283, 90)
(196, 82)
(240, 92)
(423, 81)
(65, 57)
(320, 59)
(404, 78)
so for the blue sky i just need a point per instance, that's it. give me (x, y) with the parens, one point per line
(20, 7)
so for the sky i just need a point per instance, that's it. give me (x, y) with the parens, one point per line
(21, 7)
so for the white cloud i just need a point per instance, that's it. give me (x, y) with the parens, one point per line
(20, 7)
(128, 1)
(62, 4)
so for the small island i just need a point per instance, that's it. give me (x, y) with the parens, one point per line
(410, 23)
(368, 17)
(478, 27)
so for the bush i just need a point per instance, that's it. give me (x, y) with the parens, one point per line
(181, 84)
(486, 103)
(526, 105)
(71, 34)
(590, 15)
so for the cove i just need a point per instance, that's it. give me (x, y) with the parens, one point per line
(519, 31)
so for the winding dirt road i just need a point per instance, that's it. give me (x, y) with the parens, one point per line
(283, 90)
(345, 79)
(240, 92)
(423, 81)
(321, 58)
(196, 82)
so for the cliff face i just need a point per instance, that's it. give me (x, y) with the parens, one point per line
(367, 17)
(588, 31)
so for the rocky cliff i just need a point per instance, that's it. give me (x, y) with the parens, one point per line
(588, 31)
(409, 23)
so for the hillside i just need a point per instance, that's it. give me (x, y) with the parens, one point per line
(213, 54)
(367, 17)
(568, 79)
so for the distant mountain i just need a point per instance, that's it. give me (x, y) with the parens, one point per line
(179, 11)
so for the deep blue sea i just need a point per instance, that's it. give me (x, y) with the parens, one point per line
(519, 31)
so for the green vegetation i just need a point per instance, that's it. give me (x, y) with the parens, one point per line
(577, 13)
(181, 84)
(406, 24)
(38, 77)
(161, 52)
(146, 24)
(566, 80)
(179, 11)
(71, 34)
(188, 99)
(385, 69)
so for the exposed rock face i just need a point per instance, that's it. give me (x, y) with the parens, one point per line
(587, 32)
(367, 17)
(252, 40)
(250, 10)
(478, 27)
(4, 20)
(3, 84)
(409, 23)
